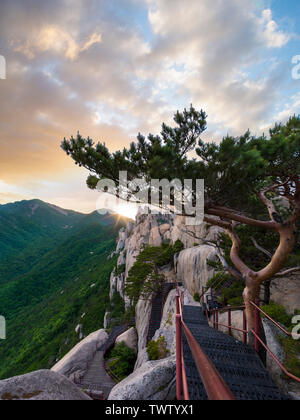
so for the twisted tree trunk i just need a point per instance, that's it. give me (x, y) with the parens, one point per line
(228, 219)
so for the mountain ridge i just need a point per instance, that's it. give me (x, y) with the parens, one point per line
(49, 277)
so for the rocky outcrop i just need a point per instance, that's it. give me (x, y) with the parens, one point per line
(117, 284)
(129, 338)
(106, 320)
(146, 231)
(142, 314)
(273, 334)
(75, 364)
(193, 235)
(153, 230)
(286, 292)
(192, 268)
(168, 323)
(40, 385)
(153, 381)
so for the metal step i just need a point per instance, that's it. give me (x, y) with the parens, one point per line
(238, 364)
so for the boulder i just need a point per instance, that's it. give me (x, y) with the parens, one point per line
(129, 338)
(163, 229)
(155, 237)
(75, 364)
(153, 381)
(41, 385)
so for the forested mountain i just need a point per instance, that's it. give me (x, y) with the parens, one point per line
(53, 270)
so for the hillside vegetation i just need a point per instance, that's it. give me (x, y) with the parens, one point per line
(55, 276)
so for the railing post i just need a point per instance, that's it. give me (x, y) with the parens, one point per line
(177, 304)
(217, 319)
(245, 327)
(214, 318)
(178, 357)
(229, 322)
(257, 327)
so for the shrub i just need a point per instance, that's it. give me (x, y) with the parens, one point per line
(144, 278)
(120, 270)
(217, 281)
(123, 361)
(196, 297)
(292, 350)
(234, 294)
(278, 313)
(158, 349)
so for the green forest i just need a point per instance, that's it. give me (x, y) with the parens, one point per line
(54, 268)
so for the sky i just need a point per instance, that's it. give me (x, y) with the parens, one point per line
(113, 68)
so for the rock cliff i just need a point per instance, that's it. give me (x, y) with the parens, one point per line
(75, 364)
(190, 268)
(40, 385)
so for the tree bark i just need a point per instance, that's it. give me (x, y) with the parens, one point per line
(253, 279)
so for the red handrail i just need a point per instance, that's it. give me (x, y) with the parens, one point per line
(258, 340)
(215, 386)
(274, 322)
(283, 368)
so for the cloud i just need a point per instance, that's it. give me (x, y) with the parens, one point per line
(113, 68)
(274, 38)
(55, 39)
(216, 49)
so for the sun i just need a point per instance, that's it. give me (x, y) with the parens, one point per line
(127, 210)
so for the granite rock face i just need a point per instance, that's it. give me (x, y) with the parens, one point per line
(129, 338)
(142, 314)
(153, 381)
(286, 292)
(192, 268)
(168, 323)
(41, 385)
(192, 235)
(75, 364)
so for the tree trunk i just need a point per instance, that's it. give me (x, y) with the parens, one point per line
(251, 294)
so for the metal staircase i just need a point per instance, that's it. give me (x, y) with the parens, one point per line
(237, 363)
(96, 380)
(157, 310)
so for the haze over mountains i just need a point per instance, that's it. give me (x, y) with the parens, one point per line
(53, 269)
